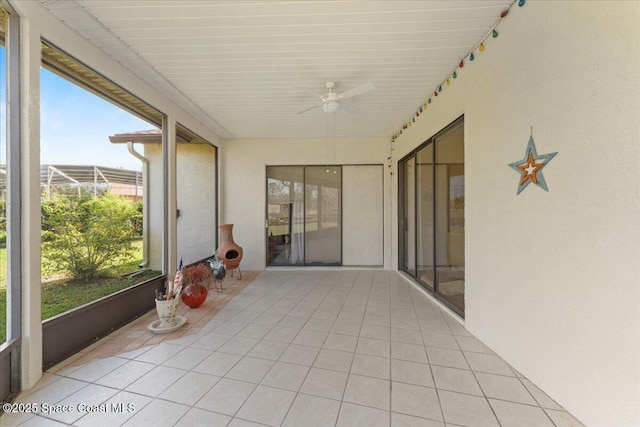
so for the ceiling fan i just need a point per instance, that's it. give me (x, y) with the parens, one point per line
(332, 101)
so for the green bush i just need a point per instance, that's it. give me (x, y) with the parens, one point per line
(82, 235)
(52, 211)
(3, 217)
(137, 219)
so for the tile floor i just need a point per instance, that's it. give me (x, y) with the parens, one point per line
(301, 348)
(136, 334)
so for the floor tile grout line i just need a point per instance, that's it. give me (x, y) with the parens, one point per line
(359, 337)
(435, 385)
(391, 400)
(487, 398)
(82, 416)
(151, 363)
(306, 376)
(230, 293)
(344, 391)
(121, 391)
(274, 362)
(327, 294)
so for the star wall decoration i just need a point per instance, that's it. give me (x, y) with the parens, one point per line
(530, 168)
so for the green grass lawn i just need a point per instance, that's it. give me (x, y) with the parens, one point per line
(61, 294)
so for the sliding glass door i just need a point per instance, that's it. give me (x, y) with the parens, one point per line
(322, 233)
(408, 215)
(425, 214)
(285, 215)
(431, 192)
(449, 231)
(304, 215)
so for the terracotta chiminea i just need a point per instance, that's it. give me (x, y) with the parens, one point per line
(229, 251)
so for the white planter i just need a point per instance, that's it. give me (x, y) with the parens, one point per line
(167, 312)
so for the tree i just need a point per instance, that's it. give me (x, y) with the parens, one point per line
(82, 235)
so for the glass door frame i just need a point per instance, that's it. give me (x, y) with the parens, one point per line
(404, 216)
(304, 187)
(290, 219)
(402, 202)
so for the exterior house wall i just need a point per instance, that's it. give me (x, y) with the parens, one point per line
(153, 153)
(552, 277)
(196, 175)
(196, 224)
(243, 182)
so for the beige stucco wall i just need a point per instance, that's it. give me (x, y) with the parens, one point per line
(552, 277)
(155, 190)
(243, 182)
(196, 174)
(196, 185)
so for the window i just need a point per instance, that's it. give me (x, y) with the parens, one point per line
(94, 195)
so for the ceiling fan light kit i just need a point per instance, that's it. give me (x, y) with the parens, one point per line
(330, 106)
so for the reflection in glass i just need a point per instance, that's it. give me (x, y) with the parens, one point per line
(304, 215)
(450, 217)
(409, 216)
(285, 215)
(322, 215)
(424, 172)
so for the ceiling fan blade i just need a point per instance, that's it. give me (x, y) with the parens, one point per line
(318, 94)
(309, 109)
(356, 91)
(347, 108)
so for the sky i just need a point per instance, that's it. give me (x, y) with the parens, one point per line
(76, 125)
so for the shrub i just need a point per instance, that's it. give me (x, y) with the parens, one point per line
(3, 221)
(3, 214)
(137, 219)
(82, 235)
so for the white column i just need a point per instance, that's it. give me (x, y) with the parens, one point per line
(170, 155)
(30, 175)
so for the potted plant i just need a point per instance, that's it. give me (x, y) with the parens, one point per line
(196, 280)
(167, 305)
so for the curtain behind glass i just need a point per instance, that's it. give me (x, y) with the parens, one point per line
(323, 232)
